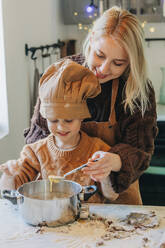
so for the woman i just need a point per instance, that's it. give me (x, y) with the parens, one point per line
(124, 112)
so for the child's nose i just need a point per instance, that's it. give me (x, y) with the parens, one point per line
(61, 126)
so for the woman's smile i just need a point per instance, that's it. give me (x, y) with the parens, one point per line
(100, 75)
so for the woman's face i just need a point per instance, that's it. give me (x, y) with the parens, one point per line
(107, 59)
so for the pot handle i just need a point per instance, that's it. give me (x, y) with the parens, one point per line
(88, 191)
(11, 195)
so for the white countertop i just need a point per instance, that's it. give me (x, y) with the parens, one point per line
(15, 233)
(160, 112)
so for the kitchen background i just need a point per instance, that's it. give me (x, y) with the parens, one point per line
(52, 22)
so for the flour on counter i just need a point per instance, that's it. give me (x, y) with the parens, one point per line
(99, 232)
(123, 226)
(13, 230)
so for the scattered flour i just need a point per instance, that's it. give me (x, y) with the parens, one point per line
(138, 230)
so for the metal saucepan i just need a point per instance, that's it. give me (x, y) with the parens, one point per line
(39, 206)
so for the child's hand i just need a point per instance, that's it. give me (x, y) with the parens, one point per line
(7, 179)
(11, 167)
(4, 168)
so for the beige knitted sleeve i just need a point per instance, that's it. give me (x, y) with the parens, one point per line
(23, 170)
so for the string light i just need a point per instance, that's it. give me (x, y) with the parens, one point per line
(152, 29)
(85, 28)
(91, 7)
(143, 24)
(80, 26)
(90, 11)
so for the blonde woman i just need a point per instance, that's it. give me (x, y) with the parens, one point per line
(124, 113)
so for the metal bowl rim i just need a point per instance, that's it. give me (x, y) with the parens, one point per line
(41, 180)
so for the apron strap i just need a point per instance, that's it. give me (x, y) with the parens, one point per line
(115, 86)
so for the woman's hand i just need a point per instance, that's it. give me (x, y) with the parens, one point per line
(102, 168)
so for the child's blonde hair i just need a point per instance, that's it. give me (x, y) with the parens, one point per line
(127, 30)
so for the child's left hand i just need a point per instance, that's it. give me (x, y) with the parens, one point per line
(102, 168)
(4, 168)
(10, 167)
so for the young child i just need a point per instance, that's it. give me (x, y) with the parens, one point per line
(63, 90)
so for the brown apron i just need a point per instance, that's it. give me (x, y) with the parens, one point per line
(132, 195)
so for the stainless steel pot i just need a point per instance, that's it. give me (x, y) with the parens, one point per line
(39, 206)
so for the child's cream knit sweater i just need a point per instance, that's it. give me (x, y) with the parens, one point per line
(45, 158)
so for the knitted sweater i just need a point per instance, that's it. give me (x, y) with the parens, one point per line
(45, 158)
(135, 134)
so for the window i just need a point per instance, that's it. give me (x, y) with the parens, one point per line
(4, 128)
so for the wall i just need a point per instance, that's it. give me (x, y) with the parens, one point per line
(34, 22)
(155, 54)
(79, 36)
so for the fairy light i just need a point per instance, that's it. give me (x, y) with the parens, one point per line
(90, 11)
(91, 7)
(143, 24)
(152, 29)
(80, 26)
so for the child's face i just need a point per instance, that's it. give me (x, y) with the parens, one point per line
(65, 130)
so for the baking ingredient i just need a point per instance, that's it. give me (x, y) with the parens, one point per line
(54, 179)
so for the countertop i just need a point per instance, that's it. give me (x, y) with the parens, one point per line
(160, 112)
(15, 233)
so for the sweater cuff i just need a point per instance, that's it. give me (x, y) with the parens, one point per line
(7, 182)
(134, 163)
(107, 189)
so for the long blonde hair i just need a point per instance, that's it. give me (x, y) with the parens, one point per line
(127, 30)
